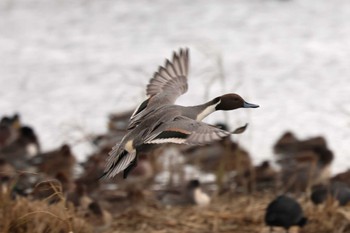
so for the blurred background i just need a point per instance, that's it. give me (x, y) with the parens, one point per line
(66, 65)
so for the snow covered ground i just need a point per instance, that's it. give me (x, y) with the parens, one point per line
(65, 65)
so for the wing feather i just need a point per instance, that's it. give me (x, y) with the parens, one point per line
(186, 131)
(166, 85)
(171, 78)
(118, 163)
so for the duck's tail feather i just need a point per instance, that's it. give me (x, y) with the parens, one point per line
(131, 166)
(118, 162)
(240, 130)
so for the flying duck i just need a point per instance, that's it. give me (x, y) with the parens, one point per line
(157, 120)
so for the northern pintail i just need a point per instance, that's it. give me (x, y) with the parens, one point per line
(337, 191)
(221, 155)
(9, 129)
(98, 217)
(7, 175)
(22, 149)
(158, 120)
(265, 176)
(61, 160)
(343, 177)
(192, 194)
(303, 162)
(288, 144)
(308, 168)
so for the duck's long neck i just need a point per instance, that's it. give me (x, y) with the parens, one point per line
(206, 109)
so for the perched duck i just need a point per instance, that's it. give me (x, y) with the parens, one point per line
(23, 148)
(263, 176)
(191, 195)
(288, 144)
(9, 129)
(67, 182)
(79, 197)
(61, 160)
(223, 155)
(198, 197)
(343, 177)
(284, 212)
(303, 162)
(119, 121)
(337, 190)
(7, 175)
(264, 172)
(98, 217)
(93, 169)
(158, 120)
(309, 167)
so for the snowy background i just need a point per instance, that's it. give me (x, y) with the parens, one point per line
(65, 65)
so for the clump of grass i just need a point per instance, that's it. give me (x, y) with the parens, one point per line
(26, 216)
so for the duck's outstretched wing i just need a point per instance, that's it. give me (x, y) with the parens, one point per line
(183, 130)
(167, 84)
(171, 78)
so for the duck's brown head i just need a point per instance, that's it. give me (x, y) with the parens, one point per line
(232, 101)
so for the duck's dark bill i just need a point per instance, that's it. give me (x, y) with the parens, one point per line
(249, 105)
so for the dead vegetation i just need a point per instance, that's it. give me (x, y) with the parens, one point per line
(227, 213)
(230, 212)
(57, 201)
(22, 215)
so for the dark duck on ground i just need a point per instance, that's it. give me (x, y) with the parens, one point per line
(337, 191)
(284, 212)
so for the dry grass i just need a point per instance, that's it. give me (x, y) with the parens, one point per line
(25, 216)
(235, 213)
(228, 213)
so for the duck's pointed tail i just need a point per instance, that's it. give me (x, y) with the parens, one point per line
(117, 161)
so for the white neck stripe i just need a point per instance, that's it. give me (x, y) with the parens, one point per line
(208, 110)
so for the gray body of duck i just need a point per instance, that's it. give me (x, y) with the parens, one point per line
(158, 120)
